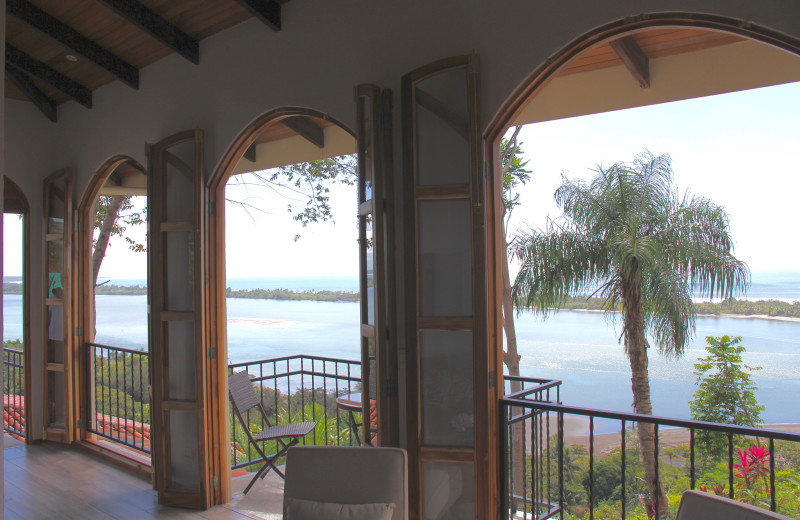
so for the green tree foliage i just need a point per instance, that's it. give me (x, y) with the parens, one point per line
(306, 186)
(725, 393)
(632, 238)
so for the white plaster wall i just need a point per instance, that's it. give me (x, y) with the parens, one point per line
(31, 137)
(326, 48)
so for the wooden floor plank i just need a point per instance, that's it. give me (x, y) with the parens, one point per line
(49, 480)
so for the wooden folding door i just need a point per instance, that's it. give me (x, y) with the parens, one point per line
(448, 368)
(178, 347)
(378, 343)
(59, 357)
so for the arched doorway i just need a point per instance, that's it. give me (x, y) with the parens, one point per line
(278, 139)
(112, 388)
(689, 56)
(16, 349)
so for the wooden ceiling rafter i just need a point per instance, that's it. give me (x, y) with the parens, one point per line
(634, 59)
(306, 128)
(47, 74)
(73, 40)
(268, 11)
(45, 105)
(156, 26)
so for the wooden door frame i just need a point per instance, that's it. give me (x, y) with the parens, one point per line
(25, 211)
(215, 269)
(82, 253)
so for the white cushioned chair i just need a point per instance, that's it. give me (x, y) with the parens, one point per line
(699, 505)
(345, 483)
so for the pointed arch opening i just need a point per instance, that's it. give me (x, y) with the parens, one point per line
(639, 63)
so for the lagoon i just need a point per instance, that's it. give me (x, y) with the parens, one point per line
(580, 348)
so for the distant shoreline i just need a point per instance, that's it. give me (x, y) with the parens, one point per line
(769, 309)
(736, 316)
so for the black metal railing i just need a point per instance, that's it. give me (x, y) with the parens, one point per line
(14, 392)
(518, 433)
(118, 395)
(601, 474)
(302, 388)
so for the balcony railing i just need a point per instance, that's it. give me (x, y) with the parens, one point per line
(301, 388)
(585, 480)
(292, 389)
(118, 395)
(14, 392)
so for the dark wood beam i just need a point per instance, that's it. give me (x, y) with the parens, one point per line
(52, 77)
(152, 23)
(73, 40)
(306, 128)
(32, 92)
(268, 11)
(250, 153)
(634, 58)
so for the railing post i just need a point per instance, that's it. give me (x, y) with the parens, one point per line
(504, 466)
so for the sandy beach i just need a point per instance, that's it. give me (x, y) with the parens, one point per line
(576, 431)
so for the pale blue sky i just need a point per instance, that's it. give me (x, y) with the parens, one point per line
(739, 149)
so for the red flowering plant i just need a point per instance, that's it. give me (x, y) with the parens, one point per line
(752, 470)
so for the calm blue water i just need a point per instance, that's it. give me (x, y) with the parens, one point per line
(580, 348)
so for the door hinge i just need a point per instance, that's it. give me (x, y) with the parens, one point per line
(80, 424)
(79, 227)
(215, 481)
(211, 353)
(492, 379)
(79, 331)
(210, 208)
(486, 170)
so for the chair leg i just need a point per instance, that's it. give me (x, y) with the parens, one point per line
(269, 463)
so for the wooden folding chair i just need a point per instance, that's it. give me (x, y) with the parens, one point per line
(244, 399)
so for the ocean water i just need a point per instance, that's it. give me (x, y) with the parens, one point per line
(580, 348)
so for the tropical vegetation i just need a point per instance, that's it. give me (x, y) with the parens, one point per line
(646, 248)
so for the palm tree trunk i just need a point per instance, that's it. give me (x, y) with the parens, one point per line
(101, 244)
(640, 382)
(511, 359)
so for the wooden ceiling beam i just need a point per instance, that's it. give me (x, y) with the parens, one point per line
(46, 105)
(73, 40)
(154, 24)
(250, 153)
(634, 59)
(307, 129)
(52, 77)
(268, 11)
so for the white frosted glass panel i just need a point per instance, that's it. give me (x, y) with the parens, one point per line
(447, 389)
(183, 471)
(448, 490)
(445, 258)
(56, 204)
(367, 150)
(370, 268)
(442, 143)
(56, 403)
(180, 360)
(178, 167)
(179, 246)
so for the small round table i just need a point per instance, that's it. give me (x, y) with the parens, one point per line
(351, 403)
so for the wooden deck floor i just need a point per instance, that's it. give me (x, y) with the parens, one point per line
(53, 481)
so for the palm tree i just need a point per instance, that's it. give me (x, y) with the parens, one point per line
(643, 247)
